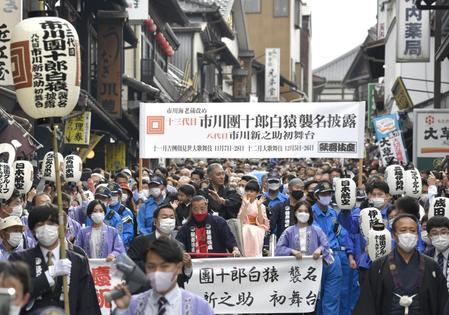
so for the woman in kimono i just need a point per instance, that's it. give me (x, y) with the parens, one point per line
(254, 220)
(99, 240)
(303, 238)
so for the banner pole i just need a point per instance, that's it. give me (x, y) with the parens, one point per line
(140, 173)
(360, 182)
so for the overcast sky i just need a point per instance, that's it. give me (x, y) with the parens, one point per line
(338, 26)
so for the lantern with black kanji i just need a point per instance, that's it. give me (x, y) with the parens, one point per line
(46, 69)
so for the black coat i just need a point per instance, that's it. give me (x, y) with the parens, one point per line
(377, 289)
(82, 295)
(277, 219)
(230, 209)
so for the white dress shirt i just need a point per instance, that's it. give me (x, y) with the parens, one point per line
(95, 242)
(303, 239)
(445, 256)
(55, 257)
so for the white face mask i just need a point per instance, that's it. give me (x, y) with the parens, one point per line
(114, 200)
(302, 217)
(17, 211)
(425, 237)
(440, 242)
(155, 192)
(407, 241)
(14, 309)
(98, 217)
(124, 198)
(377, 202)
(15, 238)
(146, 193)
(166, 226)
(274, 186)
(47, 234)
(241, 190)
(325, 200)
(161, 281)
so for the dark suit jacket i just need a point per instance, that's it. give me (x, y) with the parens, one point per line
(233, 201)
(82, 295)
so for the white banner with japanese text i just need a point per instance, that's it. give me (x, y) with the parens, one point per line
(392, 146)
(137, 10)
(252, 130)
(257, 285)
(105, 279)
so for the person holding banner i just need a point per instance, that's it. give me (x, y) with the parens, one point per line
(404, 281)
(99, 240)
(164, 261)
(254, 220)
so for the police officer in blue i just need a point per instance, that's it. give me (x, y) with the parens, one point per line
(326, 218)
(125, 213)
(103, 194)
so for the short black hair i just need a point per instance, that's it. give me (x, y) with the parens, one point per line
(252, 185)
(437, 222)
(121, 175)
(169, 249)
(409, 205)
(307, 184)
(91, 206)
(424, 219)
(390, 210)
(187, 189)
(309, 209)
(378, 184)
(339, 171)
(401, 216)
(198, 172)
(163, 206)
(197, 198)
(18, 270)
(64, 197)
(42, 213)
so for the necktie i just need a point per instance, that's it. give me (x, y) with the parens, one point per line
(162, 302)
(441, 261)
(49, 259)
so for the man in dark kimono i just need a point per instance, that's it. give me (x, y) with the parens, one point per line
(47, 268)
(405, 281)
(205, 233)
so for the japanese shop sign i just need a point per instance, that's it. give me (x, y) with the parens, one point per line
(10, 15)
(115, 156)
(392, 147)
(272, 74)
(104, 280)
(400, 94)
(257, 285)
(137, 9)
(252, 130)
(413, 44)
(386, 124)
(77, 129)
(430, 134)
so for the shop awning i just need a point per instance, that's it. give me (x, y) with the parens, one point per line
(375, 52)
(141, 86)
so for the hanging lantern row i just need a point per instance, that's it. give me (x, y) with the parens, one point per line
(151, 25)
(164, 44)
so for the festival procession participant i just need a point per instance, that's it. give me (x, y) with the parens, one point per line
(16, 276)
(99, 240)
(282, 213)
(47, 268)
(73, 227)
(253, 217)
(410, 205)
(103, 195)
(438, 232)
(163, 262)
(12, 235)
(156, 191)
(205, 233)
(182, 204)
(221, 200)
(379, 196)
(425, 234)
(273, 195)
(196, 177)
(125, 214)
(404, 281)
(326, 218)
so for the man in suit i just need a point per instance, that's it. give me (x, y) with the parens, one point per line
(165, 225)
(47, 269)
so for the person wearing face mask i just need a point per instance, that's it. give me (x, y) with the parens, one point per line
(163, 264)
(73, 227)
(126, 214)
(438, 232)
(47, 268)
(16, 276)
(410, 205)
(404, 281)
(99, 240)
(424, 234)
(11, 232)
(156, 198)
(273, 194)
(379, 196)
(282, 213)
(128, 201)
(326, 218)
(206, 233)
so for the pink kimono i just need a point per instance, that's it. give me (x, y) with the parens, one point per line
(253, 231)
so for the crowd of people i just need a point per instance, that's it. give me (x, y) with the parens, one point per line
(226, 208)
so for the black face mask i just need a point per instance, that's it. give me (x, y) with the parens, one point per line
(297, 194)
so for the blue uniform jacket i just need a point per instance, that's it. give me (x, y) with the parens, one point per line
(127, 222)
(145, 216)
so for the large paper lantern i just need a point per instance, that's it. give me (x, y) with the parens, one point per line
(394, 176)
(45, 60)
(7, 171)
(439, 207)
(412, 183)
(48, 166)
(345, 193)
(73, 168)
(369, 217)
(379, 241)
(24, 175)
